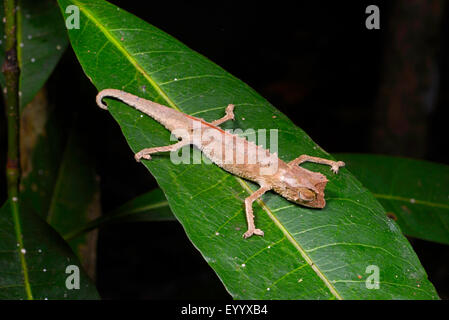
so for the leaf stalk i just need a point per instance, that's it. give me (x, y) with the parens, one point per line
(10, 70)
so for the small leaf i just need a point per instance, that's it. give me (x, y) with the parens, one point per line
(413, 192)
(33, 260)
(151, 206)
(74, 196)
(306, 253)
(41, 40)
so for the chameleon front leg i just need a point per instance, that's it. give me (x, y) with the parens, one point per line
(229, 116)
(146, 153)
(249, 212)
(335, 165)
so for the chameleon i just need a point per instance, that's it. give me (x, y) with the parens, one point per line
(296, 184)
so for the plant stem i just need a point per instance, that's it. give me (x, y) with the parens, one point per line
(10, 70)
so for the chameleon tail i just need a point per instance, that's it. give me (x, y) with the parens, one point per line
(127, 98)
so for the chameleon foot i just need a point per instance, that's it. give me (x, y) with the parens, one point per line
(337, 166)
(249, 233)
(139, 156)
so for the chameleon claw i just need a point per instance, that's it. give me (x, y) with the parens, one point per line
(139, 156)
(249, 233)
(337, 166)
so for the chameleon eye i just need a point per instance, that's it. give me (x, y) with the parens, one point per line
(306, 195)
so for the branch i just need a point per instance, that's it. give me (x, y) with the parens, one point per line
(10, 70)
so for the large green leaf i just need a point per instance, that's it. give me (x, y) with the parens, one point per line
(305, 254)
(34, 259)
(412, 191)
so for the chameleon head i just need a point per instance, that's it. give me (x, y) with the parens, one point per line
(302, 186)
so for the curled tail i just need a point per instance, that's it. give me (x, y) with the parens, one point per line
(126, 97)
(168, 117)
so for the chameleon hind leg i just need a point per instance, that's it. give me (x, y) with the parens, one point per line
(146, 153)
(229, 116)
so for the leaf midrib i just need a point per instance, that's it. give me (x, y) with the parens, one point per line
(243, 183)
(409, 200)
(57, 187)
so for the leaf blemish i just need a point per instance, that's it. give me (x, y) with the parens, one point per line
(391, 215)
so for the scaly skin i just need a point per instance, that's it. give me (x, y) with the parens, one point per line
(234, 154)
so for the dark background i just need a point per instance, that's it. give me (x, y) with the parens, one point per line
(351, 89)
